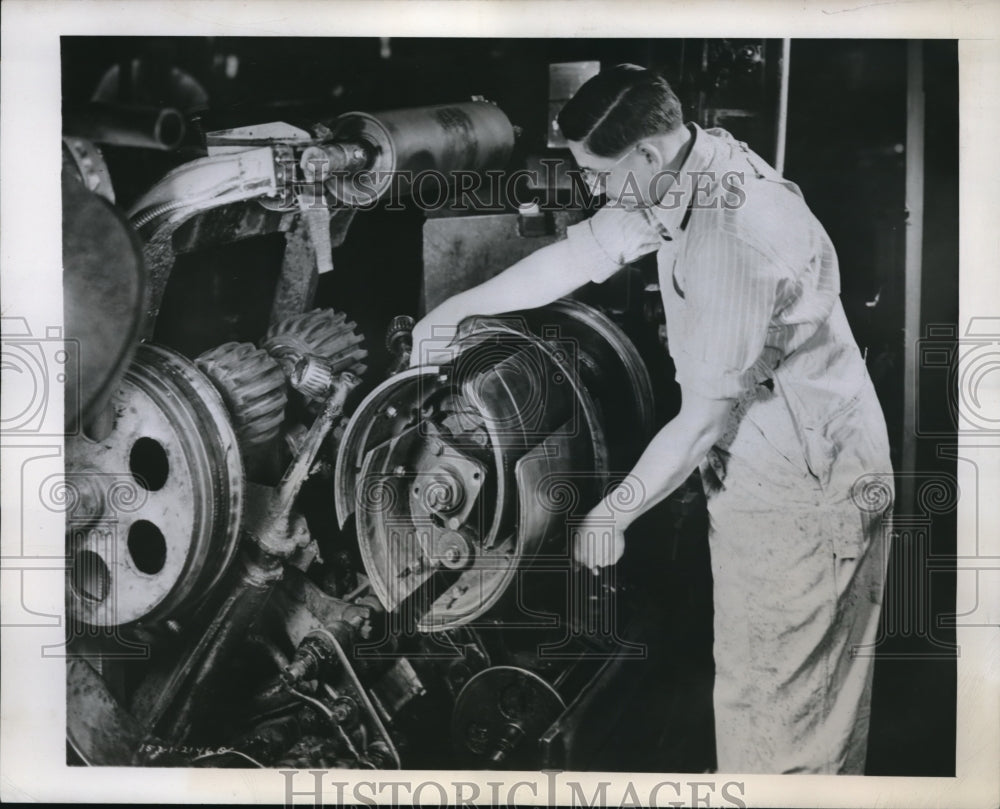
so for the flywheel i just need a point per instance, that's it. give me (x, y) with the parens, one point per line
(164, 497)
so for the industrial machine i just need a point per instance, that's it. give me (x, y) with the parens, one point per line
(276, 559)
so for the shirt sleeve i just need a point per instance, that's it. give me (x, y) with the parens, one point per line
(730, 299)
(609, 240)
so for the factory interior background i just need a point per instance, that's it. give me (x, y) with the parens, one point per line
(850, 135)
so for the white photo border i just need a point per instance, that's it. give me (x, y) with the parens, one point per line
(33, 685)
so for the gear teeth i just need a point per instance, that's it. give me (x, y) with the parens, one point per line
(253, 387)
(323, 333)
(398, 326)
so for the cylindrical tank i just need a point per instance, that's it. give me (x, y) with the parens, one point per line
(407, 146)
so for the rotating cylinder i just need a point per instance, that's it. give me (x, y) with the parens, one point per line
(403, 145)
(460, 475)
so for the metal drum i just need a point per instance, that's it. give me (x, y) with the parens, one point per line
(460, 475)
(400, 145)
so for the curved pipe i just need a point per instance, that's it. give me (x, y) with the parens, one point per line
(160, 128)
(200, 185)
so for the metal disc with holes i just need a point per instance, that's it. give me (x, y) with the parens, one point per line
(499, 716)
(158, 501)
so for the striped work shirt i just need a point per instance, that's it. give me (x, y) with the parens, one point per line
(750, 286)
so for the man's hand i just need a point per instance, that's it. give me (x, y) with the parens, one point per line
(432, 334)
(598, 541)
(536, 280)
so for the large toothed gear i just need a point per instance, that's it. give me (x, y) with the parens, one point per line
(322, 333)
(253, 387)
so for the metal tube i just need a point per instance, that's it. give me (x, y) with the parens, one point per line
(319, 162)
(782, 133)
(913, 262)
(142, 127)
(296, 474)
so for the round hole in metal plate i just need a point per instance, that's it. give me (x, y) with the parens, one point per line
(147, 547)
(148, 464)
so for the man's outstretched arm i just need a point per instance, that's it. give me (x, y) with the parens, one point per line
(672, 455)
(538, 279)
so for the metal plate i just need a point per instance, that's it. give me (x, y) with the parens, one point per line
(166, 536)
(491, 705)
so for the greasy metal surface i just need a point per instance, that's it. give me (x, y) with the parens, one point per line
(316, 611)
(104, 282)
(231, 223)
(503, 702)
(253, 387)
(89, 163)
(98, 729)
(174, 705)
(570, 741)
(322, 332)
(168, 702)
(296, 289)
(195, 187)
(351, 685)
(172, 437)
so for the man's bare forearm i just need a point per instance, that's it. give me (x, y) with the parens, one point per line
(538, 279)
(672, 455)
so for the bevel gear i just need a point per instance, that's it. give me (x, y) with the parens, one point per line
(322, 333)
(253, 387)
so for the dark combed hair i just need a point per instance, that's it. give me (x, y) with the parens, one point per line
(619, 107)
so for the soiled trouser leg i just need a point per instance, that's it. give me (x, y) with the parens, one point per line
(794, 636)
(798, 586)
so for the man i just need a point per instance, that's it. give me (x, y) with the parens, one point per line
(777, 411)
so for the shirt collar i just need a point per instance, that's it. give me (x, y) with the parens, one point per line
(669, 216)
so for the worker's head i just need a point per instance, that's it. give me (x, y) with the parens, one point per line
(623, 126)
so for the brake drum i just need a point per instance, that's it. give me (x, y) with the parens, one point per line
(458, 476)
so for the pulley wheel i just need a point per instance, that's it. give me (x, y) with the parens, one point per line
(500, 715)
(163, 493)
